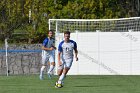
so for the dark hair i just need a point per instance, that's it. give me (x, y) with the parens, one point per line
(51, 31)
(67, 32)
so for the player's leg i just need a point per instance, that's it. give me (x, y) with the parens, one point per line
(41, 72)
(64, 72)
(59, 72)
(52, 65)
(44, 60)
(63, 75)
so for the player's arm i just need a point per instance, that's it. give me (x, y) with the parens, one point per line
(44, 44)
(59, 58)
(53, 47)
(45, 48)
(59, 54)
(76, 51)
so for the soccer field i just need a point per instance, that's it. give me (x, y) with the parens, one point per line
(73, 84)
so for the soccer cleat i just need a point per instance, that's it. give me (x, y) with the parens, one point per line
(57, 85)
(49, 75)
(41, 77)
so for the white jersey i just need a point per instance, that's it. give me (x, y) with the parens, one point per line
(67, 49)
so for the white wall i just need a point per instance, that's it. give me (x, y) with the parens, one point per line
(116, 52)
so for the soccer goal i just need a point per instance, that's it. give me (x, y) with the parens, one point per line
(106, 46)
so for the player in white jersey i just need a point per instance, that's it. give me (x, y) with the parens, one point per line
(48, 54)
(65, 57)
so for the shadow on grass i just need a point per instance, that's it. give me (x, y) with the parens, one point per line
(101, 85)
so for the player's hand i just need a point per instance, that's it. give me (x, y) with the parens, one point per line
(52, 48)
(76, 58)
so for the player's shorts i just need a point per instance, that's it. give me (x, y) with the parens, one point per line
(47, 57)
(66, 63)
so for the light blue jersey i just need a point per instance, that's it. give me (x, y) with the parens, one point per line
(67, 49)
(48, 55)
(48, 43)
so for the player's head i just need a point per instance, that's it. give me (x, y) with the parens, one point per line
(67, 35)
(50, 33)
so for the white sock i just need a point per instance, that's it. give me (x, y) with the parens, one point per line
(59, 82)
(61, 78)
(42, 70)
(51, 68)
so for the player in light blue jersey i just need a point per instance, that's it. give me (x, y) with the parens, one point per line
(48, 54)
(65, 57)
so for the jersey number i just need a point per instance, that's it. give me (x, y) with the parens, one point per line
(67, 49)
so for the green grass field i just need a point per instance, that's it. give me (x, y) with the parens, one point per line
(73, 84)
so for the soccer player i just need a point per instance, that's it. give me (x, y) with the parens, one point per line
(65, 57)
(48, 54)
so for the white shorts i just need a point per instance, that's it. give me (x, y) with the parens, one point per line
(47, 57)
(66, 63)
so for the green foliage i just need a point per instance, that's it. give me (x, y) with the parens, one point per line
(15, 14)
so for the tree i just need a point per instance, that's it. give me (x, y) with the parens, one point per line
(14, 16)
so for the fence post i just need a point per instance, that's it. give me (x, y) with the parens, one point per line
(98, 38)
(6, 52)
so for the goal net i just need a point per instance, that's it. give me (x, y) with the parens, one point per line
(106, 46)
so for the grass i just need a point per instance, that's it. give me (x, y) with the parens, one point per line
(73, 84)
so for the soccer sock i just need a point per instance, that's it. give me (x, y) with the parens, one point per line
(51, 68)
(61, 78)
(42, 69)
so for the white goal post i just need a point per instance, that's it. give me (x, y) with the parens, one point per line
(106, 46)
(106, 25)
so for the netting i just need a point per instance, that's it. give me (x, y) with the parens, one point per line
(104, 25)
